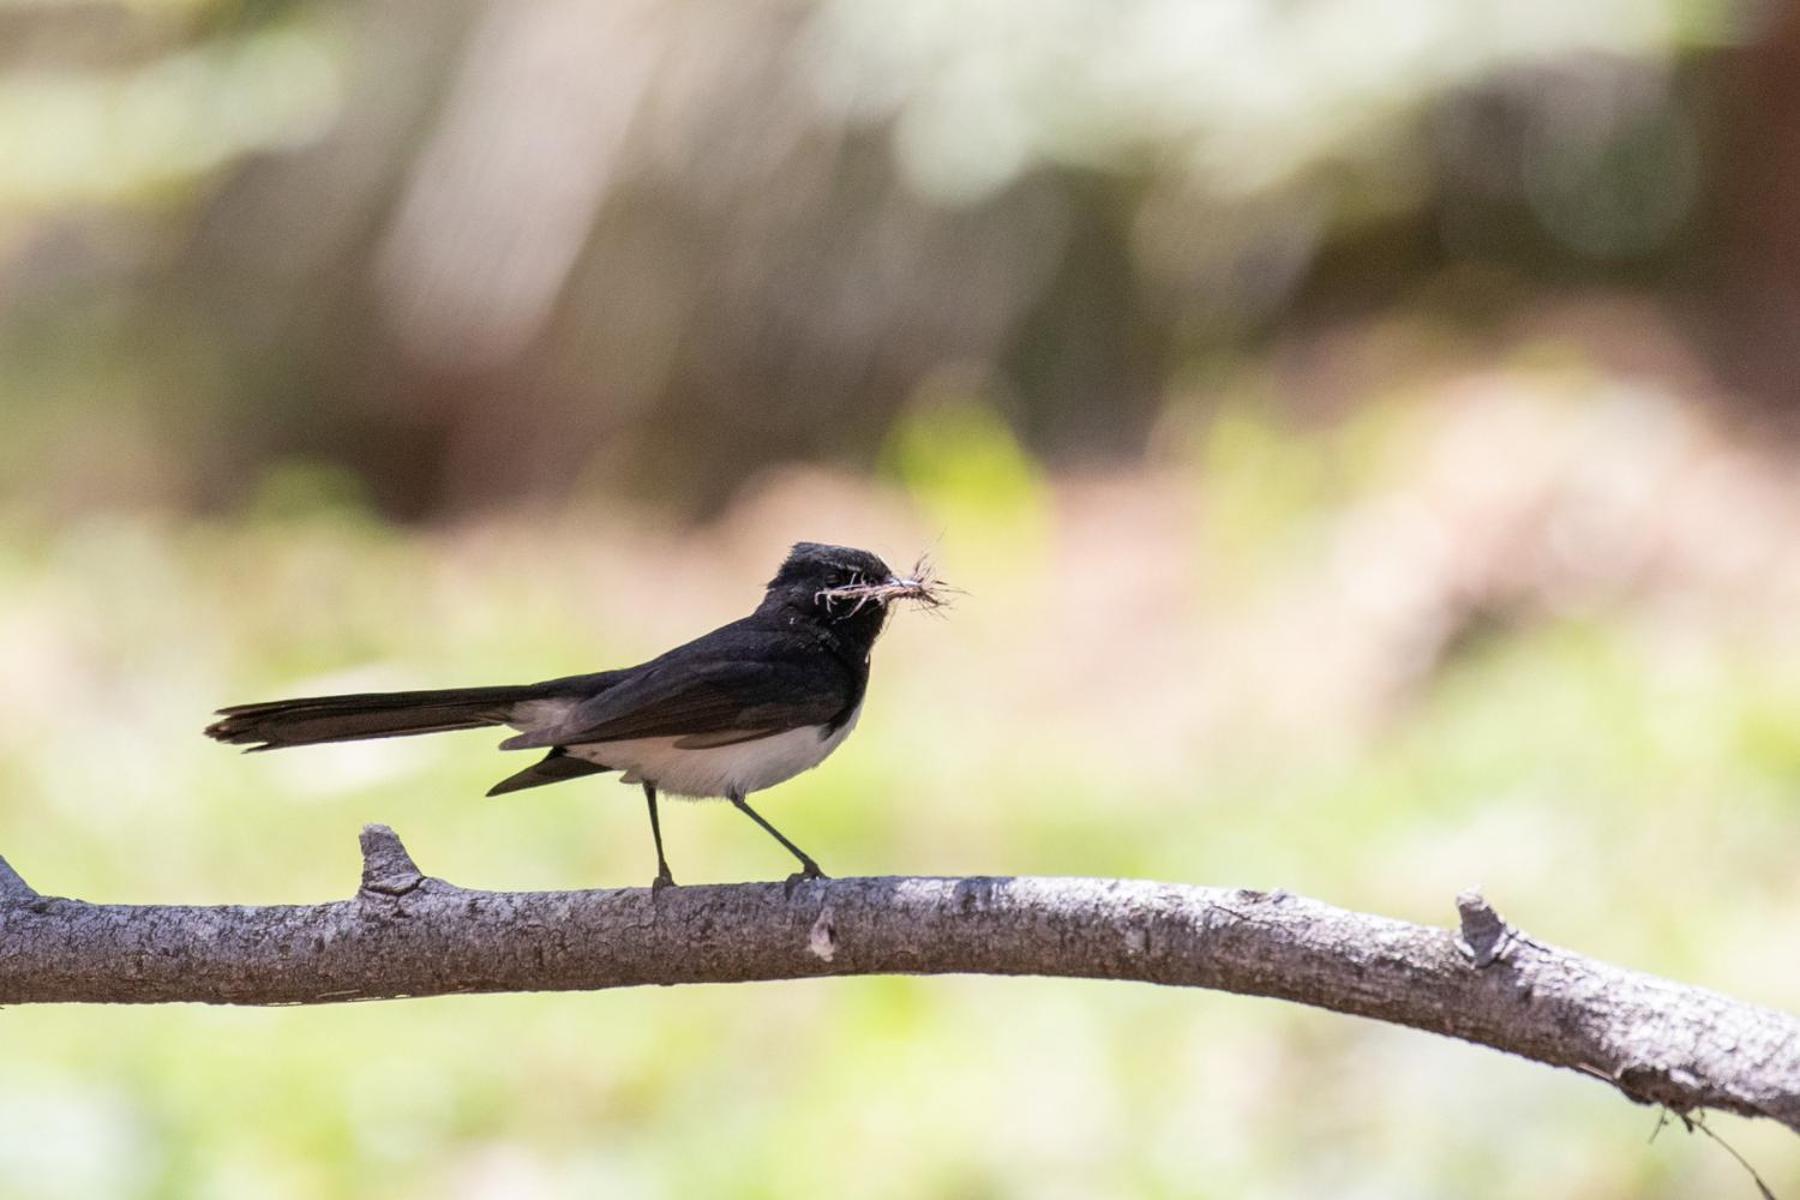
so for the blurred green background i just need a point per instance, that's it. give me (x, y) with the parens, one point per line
(1366, 432)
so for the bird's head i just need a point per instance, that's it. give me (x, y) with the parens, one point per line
(841, 584)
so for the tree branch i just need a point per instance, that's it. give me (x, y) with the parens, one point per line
(406, 934)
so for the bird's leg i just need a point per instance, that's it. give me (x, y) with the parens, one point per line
(663, 878)
(808, 868)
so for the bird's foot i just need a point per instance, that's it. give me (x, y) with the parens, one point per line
(663, 880)
(807, 872)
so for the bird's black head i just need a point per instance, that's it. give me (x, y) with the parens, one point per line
(842, 587)
(812, 567)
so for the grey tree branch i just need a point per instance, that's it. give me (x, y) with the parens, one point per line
(406, 934)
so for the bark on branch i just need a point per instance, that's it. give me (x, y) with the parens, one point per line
(406, 934)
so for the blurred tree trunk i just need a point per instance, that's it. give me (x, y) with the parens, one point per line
(1756, 324)
(1088, 362)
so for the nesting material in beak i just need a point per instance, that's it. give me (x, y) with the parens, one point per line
(919, 585)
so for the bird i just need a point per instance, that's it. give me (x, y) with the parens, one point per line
(733, 712)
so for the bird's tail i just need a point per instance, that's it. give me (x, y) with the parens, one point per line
(305, 722)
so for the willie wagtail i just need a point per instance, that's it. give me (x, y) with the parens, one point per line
(740, 709)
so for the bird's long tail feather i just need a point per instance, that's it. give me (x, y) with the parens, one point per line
(314, 719)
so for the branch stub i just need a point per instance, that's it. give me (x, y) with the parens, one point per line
(1485, 938)
(13, 886)
(388, 870)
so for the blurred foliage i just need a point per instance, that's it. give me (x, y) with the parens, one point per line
(958, 459)
(484, 253)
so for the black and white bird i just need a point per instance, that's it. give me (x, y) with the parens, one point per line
(743, 708)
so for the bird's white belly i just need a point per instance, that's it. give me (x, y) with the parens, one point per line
(741, 768)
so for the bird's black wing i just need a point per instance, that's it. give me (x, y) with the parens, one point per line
(738, 681)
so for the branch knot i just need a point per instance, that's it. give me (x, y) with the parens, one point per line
(1485, 938)
(388, 870)
(821, 939)
(12, 886)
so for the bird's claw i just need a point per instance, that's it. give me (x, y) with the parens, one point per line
(806, 874)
